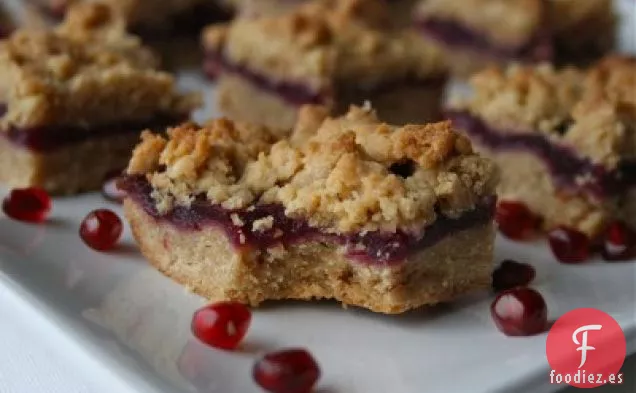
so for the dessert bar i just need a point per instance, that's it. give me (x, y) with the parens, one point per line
(565, 139)
(378, 216)
(327, 52)
(477, 33)
(74, 100)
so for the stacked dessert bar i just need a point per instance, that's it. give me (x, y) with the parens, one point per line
(384, 217)
(327, 52)
(476, 33)
(74, 100)
(565, 139)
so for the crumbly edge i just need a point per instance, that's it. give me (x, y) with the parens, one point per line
(86, 71)
(326, 42)
(334, 172)
(507, 23)
(206, 263)
(593, 110)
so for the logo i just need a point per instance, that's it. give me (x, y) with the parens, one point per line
(586, 349)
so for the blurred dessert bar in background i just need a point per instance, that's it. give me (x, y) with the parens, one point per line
(327, 52)
(565, 139)
(476, 33)
(73, 101)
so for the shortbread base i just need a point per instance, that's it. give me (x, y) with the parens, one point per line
(464, 63)
(70, 169)
(525, 178)
(241, 101)
(208, 264)
(404, 104)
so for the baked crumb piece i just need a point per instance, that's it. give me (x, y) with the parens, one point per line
(378, 216)
(74, 99)
(325, 52)
(591, 110)
(325, 40)
(337, 172)
(478, 33)
(88, 71)
(564, 138)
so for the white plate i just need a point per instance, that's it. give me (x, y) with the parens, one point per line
(136, 322)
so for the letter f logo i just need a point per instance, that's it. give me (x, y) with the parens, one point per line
(583, 344)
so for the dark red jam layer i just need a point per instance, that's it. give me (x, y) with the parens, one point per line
(45, 139)
(297, 93)
(381, 248)
(565, 166)
(454, 34)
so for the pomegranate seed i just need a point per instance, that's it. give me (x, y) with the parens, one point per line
(287, 371)
(515, 220)
(619, 243)
(520, 312)
(27, 204)
(110, 190)
(101, 229)
(569, 245)
(512, 274)
(221, 325)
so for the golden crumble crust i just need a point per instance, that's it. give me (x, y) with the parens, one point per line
(87, 71)
(536, 97)
(613, 78)
(592, 110)
(508, 22)
(337, 172)
(327, 40)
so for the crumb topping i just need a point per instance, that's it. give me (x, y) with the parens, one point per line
(87, 71)
(506, 22)
(535, 97)
(327, 40)
(342, 174)
(593, 110)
